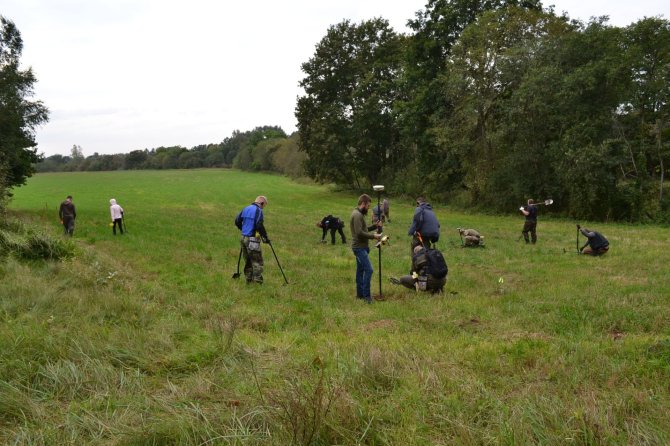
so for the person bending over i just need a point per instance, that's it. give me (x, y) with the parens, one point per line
(596, 243)
(332, 224)
(425, 229)
(471, 237)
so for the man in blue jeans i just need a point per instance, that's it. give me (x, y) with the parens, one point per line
(360, 235)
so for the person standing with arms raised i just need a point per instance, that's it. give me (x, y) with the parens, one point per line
(530, 225)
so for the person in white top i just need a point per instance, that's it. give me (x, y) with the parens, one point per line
(117, 215)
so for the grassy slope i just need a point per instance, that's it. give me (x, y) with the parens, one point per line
(145, 339)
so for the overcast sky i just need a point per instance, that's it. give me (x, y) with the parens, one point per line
(121, 75)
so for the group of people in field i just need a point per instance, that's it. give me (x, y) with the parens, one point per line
(67, 212)
(428, 271)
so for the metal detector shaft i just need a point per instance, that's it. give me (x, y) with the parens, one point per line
(239, 258)
(578, 241)
(278, 264)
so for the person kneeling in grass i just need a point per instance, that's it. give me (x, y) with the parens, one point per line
(596, 243)
(472, 237)
(421, 278)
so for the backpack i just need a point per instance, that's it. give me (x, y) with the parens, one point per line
(437, 266)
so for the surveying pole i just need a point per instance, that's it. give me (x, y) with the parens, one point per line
(379, 189)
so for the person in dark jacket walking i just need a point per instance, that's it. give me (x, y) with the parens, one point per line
(250, 222)
(530, 225)
(332, 224)
(425, 229)
(596, 243)
(67, 214)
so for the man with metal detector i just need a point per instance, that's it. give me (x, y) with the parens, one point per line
(530, 225)
(332, 224)
(250, 222)
(429, 271)
(361, 234)
(425, 229)
(596, 243)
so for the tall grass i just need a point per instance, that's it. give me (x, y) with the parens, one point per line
(146, 339)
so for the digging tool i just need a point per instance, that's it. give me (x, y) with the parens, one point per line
(239, 258)
(278, 264)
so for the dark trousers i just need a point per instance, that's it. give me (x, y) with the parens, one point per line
(68, 226)
(332, 235)
(530, 226)
(117, 221)
(428, 242)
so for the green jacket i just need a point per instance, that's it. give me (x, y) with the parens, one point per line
(359, 230)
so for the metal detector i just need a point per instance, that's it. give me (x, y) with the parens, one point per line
(278, 264)
(239, 258)
(578, 250)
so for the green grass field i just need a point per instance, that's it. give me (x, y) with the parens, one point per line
(146, 339)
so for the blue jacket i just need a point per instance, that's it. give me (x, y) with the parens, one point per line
(250, 220)
(425, 222)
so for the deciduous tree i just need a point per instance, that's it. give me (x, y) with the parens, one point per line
(19, 116)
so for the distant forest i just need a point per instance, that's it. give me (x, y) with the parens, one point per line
(483, 104)
(265, 148)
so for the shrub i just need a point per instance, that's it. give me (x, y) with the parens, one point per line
(42, 246)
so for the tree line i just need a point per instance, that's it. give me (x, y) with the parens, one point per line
(488, 103)
(266, 148)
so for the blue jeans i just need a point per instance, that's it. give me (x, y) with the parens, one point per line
(363, 272)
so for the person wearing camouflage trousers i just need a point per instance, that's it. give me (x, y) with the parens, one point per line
(250, 222)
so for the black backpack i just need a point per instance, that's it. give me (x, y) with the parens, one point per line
(437, 266)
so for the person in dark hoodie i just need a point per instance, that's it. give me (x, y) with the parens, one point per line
(425, 229)
(67, 214)
(332, 224)
(250, 222)
(596, 243)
